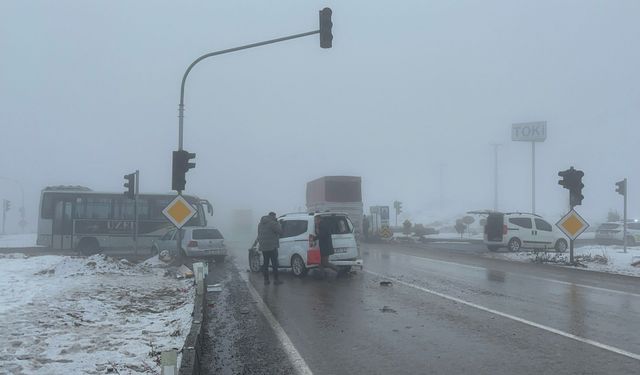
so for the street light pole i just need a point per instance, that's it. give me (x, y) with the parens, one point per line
(495, 175)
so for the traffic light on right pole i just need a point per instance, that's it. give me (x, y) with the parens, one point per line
(130, 185)
(181, 165)
(326, 37)
(621, 187)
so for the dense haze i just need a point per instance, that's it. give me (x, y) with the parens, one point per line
(89, 92)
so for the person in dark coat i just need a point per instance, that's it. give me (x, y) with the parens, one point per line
(323, 235)
(269, 232)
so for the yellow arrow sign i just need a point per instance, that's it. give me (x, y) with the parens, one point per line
(572, 224)
(179, 211)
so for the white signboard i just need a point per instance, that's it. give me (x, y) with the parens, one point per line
(529, 131)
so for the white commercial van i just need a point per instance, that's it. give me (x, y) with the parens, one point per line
(298, 242)
(517, 230)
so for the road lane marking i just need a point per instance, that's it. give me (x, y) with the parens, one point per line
(427, 259)
(299, 364)
(513, 317)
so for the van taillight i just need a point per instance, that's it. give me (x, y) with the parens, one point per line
(504, 230)
(192, 244)
(312, 240)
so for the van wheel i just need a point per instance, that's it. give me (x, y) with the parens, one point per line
(561, 246)
(514, 244)
(297, 266)
(493, 247)
(88, 246)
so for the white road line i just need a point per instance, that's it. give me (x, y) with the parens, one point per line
(427, 259)
(299, 364)
(515, 318)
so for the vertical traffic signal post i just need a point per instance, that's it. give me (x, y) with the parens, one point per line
(621, 188)
(132, 186)
(572, 181)
(181, 163)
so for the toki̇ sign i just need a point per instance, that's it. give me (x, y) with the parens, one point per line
(529, 131)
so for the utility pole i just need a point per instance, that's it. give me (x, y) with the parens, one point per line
(135, 213)
(495, 175)
(6, 206)
(441, 188)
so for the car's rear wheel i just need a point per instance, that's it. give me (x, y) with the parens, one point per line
(297, 266)
(561, 246)
(514, 244)
(254, 261)
(493, 247)
(344, 269)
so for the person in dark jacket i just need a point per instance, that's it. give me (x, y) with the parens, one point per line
(269, 232)
(323, 235)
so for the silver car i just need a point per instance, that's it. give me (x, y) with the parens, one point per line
(201, 242)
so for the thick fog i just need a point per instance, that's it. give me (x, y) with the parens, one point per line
(411, 98)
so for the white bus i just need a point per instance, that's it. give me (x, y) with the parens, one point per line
(75, 217)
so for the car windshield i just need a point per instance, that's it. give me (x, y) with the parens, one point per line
(607, 226)
(207, 234)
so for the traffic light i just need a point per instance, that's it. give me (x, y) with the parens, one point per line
(181, 165)
(130, 185)
(326, 37)
(572, 180)
(565, 178)
(621, 187)
(7, 205)
(398, 206)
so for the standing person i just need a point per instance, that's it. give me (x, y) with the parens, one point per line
(269, 231)
(323, 235)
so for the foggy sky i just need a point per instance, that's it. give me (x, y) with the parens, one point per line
(89, 92)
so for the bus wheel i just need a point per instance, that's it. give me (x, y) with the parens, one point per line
(88, 246)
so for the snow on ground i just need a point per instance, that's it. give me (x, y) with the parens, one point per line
(443, 236)
(76, 315)
(18, 240)
(610, 259)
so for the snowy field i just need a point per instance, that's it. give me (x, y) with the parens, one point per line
(18, 240)
(95, 315)
(610, 259)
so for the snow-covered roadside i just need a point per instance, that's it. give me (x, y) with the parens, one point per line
(610, 259)
(18, 240)
(72, 315)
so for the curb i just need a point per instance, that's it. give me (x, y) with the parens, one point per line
(192, 349)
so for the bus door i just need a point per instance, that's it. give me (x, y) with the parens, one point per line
(63, 225)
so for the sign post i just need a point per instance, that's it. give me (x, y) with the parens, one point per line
(530, 132)
(621, 188)
(179, 212)
(572, 225)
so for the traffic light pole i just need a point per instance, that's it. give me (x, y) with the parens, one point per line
(216, 53)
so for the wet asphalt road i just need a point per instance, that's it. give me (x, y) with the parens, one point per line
(448, 311)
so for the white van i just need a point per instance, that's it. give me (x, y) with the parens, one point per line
(298, 233)
(519, 230)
